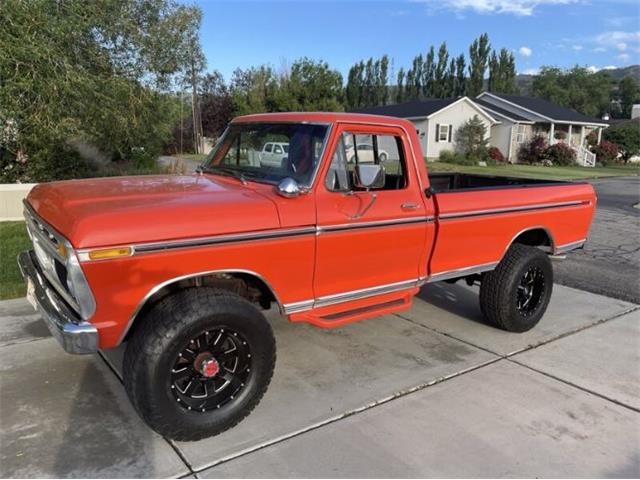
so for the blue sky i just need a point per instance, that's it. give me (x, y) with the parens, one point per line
(594, 33)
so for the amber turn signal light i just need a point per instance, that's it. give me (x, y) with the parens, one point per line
(110, 253)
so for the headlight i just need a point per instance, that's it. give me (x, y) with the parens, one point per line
(78, 285)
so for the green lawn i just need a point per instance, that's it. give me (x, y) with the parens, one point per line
(200, 157)
(547, 173)
(13, 240)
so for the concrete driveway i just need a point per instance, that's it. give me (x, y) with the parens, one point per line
(431, 392)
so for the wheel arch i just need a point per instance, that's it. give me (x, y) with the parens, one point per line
(538, 236)
(227, 279)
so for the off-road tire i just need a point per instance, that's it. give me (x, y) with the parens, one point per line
(499, 289)
(165, 329)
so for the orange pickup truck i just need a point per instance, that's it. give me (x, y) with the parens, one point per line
(347, 224)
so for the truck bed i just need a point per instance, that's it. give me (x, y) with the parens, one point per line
(445, 182)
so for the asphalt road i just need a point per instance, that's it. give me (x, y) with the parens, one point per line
(610, 262)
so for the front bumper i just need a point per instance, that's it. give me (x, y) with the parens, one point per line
(74, 334)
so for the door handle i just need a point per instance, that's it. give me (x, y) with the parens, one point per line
(409, 206)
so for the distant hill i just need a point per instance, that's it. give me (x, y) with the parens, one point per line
(524, 81)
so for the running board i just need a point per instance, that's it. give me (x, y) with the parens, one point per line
(337, 315)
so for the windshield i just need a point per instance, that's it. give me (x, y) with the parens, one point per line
(269, 152)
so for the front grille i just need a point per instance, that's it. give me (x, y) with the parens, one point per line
(46, 242)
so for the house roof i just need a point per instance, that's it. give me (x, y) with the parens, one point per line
(500, 111)
(413, 109)
(547, 109)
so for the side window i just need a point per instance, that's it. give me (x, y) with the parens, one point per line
(354, 149)
(443, 132)
(277, 149)
(267, 147)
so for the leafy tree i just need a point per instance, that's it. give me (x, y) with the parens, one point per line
(90, 72)
(629, 93)
(460, 86)
(577, 88)
(478, 57)
(439, 76)
(450, 80)
(400, 86)
(626, 136)
(355, 86)
(471, 139)
(428, 74)
(383, 72)
(314, 86)
(502, 72)
(415, 89)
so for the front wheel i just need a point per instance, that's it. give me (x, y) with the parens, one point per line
(516, 294)
(199, 363)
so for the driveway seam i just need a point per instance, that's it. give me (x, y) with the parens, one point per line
(171, 443)
(530, 347)
(22, 342)
(349, 413)
(566, 382)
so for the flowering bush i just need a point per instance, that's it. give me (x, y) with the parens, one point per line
(496, 155)
(606, 152)
(533, 151)
(560, 154)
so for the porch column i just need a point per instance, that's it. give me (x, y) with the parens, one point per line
(582, 135)
(570, 134)
(599, 135)
(552, 133)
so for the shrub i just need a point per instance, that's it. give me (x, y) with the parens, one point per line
(449, 156)
(560, 135)
(626, 136)
(560, 154)
(496, 155)
(592, 138)
(471, 140)
(606, 152)
(533, 151)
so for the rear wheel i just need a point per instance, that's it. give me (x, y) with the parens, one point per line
(516, 294)
(199, 363)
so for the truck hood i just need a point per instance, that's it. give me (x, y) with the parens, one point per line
(126, 210)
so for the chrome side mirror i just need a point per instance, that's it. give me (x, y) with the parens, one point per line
(289, 188)
(369, 176)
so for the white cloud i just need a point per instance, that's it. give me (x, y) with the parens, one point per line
(577, 48)
(530, 71)
(624, 57)
(609, 67)
(520, 8)
(619, 40)
(525, 51)
(592, 69)
(599, 49)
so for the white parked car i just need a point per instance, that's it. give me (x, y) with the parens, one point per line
(365, 153)
(273, 153)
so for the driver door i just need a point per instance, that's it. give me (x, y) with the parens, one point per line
(369, 238)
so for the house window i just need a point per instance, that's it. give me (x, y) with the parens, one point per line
(443, 132)
(520, 133)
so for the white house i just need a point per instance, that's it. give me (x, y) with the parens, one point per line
(521, 118)
(437, 120)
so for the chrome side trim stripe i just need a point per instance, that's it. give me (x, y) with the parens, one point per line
(382, 223)
(327, 300)
(567, 247)
(524, 208)
(239, 237)
(263, 235)
(461, 272)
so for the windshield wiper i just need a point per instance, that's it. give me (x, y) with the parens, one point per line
(230, 172)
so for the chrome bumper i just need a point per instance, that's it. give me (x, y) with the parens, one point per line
(74, 334)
